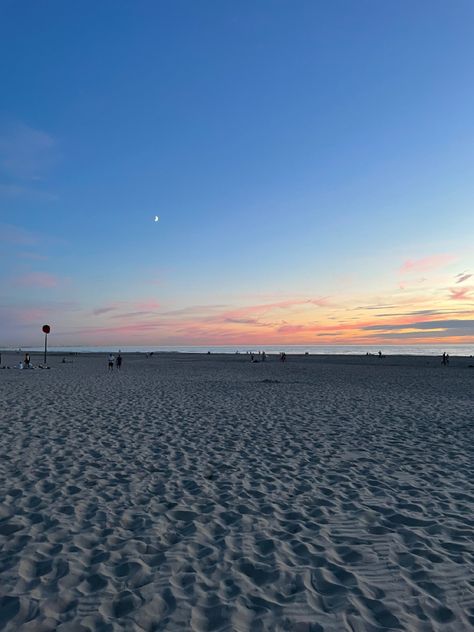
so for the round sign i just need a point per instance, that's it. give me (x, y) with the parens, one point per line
(46, 329)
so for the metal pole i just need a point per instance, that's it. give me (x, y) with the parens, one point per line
(45, 346)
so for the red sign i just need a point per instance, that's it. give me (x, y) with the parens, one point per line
(46, 329)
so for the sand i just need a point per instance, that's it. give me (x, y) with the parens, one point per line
(209, 493)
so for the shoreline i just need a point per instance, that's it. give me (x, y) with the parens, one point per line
(226, 354)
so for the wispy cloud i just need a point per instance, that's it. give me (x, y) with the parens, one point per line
(33, 313)
(26, 192)
(194, 310)
(461, 294)
(37, 279)
(246, 321)
(261, 309)
(17, 236)
(26, 153)
(463, 277)
(293, 329)
(432, 325)
(132, 314)
(424, 312)
(426, 264)
(27, 156)
(149, 304)
(103, 310)
(32, 255)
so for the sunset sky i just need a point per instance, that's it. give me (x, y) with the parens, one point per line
(312, 165)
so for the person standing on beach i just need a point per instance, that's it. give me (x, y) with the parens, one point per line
(119, 361)
(111, 362)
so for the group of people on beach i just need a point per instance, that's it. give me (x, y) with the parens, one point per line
(26, 363)
(117, 360)
(262, 356)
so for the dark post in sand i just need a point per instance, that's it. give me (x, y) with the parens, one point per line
(46, 330)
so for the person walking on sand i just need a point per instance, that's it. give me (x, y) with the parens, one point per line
(119, 361)
(111, 362)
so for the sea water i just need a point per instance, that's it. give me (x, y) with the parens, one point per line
(428, 350)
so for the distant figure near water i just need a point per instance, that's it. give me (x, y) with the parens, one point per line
(111, 362)
(445, 359)
(118, 362)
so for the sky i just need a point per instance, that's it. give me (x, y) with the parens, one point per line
(311, 164)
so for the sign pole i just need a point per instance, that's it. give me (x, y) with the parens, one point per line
(46, 330)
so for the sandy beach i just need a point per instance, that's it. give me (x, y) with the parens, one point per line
(194, 492)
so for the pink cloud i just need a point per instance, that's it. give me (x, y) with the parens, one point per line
(426, 263)
(461, 293)
(147, 304)
(294, 329)
(37, 279)
(261, 309)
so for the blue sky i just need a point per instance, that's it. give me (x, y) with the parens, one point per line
(294, 151)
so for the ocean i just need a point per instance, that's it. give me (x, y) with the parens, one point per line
(428, 350)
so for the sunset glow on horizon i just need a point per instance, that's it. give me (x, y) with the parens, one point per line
(311, 166)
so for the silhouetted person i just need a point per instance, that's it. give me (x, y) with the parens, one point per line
(380, 354)
(111, 362)
(27, 360)
(264, 356)
(118, 362)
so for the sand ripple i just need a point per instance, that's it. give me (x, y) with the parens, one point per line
(213, 494)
